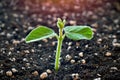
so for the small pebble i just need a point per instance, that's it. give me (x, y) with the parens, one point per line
(97, 79)
(72, 61)
(9, 73)
(95, 54)
(114, 68)
(116, 21)
(1, 71)
(3, 25)
(16, 42)
(25, 59)
(43, 75)
(83, 61)
(39, 19)
(77, 44)
(14, 70)
(26, 51)
(95, 25)
(15, 15)
(116, 44)
(81, 54)
(75, 76)
(9, 35)
(35, 73)
(39, 45)
(72, 22)
(27, 64)
(108, 54)
(98, 75)
(68, 57)
(23, 68)
(99, 40)
(53, 43)
(23, 39)
(86, 46)
(45, 40)
(69, 47)
(94, 17)
(53, 9)
(3, 33)
(48, 71)
(70, 43)
(6, 17)
(27, 8)
(32, 50)
(94, 30)
(12, 59)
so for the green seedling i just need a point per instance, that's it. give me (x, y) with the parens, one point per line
(71, 32)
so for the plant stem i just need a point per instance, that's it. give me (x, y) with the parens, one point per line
(58, 52)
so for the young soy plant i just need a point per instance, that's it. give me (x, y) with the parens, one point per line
(72, 32)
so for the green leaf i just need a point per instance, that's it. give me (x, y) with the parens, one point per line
(78, 32)
(39, 33)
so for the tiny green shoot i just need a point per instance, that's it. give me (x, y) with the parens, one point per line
(71, 32)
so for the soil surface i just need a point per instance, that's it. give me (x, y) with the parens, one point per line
(96, 59)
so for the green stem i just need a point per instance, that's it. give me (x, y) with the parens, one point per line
(58, 52)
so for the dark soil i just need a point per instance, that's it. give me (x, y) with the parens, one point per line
(22, 61)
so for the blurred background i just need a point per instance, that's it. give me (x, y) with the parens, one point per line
(45, 12)
(19, 17)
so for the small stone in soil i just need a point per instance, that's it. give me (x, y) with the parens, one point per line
(53, 43)
(116, 21)
(116, 44)
(25, 59)
(16, 42)
(27, 64)
(45, 40)
(32, 50)
(114, 68)
(99, 40)
(83, 61)
(77, 44)
(86, 46)
(72, 61)
(94, 30)
(69, 47)
(108, 54)
(70, 43)
(94, 17)
(26, 51)
(15, 15)
(14, 70)
(75, 76)
(81, 54)
(39, 20)
(68, 57)
(1, 71)
(72, 22)
(35, 73)
(8, 35)
(12, 59)
(39, 45)
(97, 79)
(98, 75)
(43, 75)
(23, 68)
(95, 54)
(9, 73)
(95, 25)
(48, 71)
